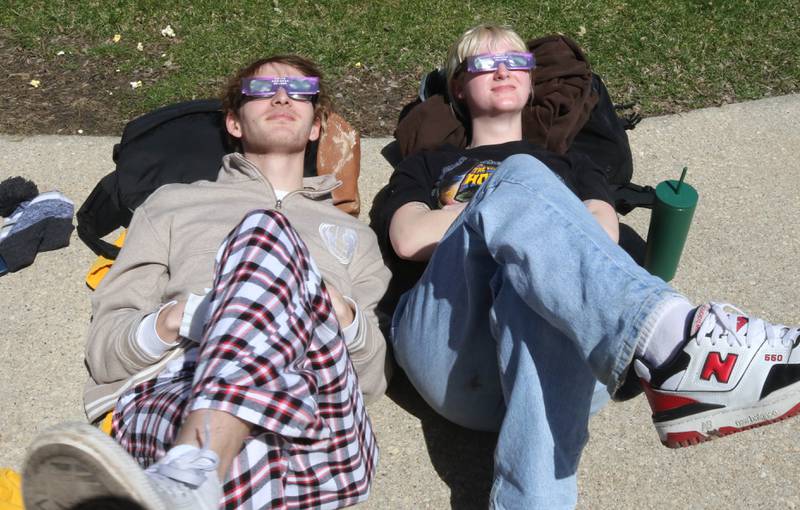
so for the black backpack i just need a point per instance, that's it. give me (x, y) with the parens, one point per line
(604, 140)
(179, 143)
(183, 142)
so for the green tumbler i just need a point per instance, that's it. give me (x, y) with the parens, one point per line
(669, 225)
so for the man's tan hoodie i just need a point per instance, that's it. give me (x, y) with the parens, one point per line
(169, 252)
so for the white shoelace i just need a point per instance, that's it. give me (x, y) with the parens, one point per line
(756, 328)
(189, 468)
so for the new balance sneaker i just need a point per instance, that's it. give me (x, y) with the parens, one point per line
(74, 464)
(734, 373)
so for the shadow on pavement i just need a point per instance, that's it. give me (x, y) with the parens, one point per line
(461, 457)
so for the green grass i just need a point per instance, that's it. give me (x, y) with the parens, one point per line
(665, 55)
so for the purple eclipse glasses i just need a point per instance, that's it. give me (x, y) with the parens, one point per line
(490, 61)
(299, 88)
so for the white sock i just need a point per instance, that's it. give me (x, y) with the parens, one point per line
(669, 333)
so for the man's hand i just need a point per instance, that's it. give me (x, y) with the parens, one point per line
(168, 323)
(344, 314)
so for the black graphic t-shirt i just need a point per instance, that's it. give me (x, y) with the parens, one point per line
(448, 174)
(460, 180)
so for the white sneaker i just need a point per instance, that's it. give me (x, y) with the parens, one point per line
(186, 477)
(76, 464)
(734, 373)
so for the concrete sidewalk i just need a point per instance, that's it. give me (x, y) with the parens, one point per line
(743, 248)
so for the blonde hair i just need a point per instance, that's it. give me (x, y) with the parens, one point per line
(467, 45)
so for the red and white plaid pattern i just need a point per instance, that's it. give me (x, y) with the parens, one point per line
(272, 355)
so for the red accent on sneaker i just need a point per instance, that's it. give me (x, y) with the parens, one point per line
(741, 322)
(662, 402)
(683, 439)
(717, 367)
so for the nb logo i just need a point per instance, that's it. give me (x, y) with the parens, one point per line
(719, 368)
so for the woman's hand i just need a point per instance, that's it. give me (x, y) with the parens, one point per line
(415, 229)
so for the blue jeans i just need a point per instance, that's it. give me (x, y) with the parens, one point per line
(525, 304)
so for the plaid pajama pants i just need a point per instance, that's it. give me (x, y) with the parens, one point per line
(272, 355)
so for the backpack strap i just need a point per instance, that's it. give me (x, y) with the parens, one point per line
(628, 197)
(99, 216)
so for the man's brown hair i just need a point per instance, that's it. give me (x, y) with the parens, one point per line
(232, 97)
